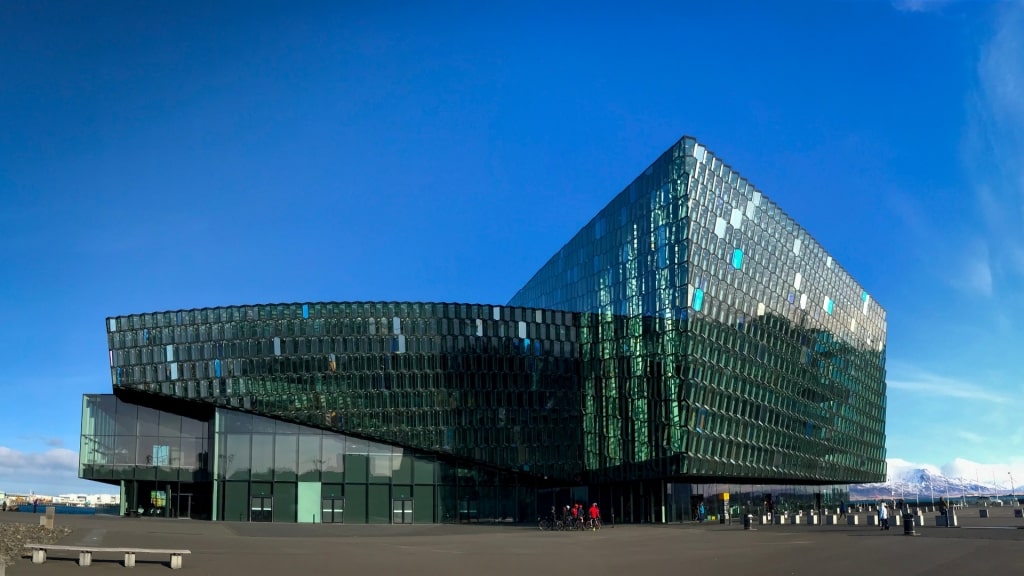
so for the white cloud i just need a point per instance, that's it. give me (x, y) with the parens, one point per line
(970, 436)
(51, 470)
(994, 146)
(926, 383)
(918, 5)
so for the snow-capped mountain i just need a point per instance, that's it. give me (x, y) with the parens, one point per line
(907, 480)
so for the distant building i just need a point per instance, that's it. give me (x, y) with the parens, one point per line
(88, 499)
(692, 343)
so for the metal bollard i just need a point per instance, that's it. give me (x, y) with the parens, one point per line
(908, 525)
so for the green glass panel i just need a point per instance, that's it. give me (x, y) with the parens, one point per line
(355, 503)
(285, 502)
(378, 504)
(236, 501)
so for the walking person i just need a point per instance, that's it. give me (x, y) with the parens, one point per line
(700, 512)
(842, 508)
(883, 516)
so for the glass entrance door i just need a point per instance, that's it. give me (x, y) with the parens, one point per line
(401, 511)
(261, 509)
(332, 510)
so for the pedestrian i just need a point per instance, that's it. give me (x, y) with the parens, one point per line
(883, 516)
(842, 508)
(700, 512)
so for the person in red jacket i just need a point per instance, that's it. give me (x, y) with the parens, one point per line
(595, 515)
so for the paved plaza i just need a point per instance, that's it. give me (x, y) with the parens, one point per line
(981, 546)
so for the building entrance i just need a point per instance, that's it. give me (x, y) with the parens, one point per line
(261, 509)
(332, 511)
(401, 511)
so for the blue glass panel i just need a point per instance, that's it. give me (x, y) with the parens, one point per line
(698, 299)
(737, 258)
(305, 310)
(830, 306)
(864, 296)
(216, 368)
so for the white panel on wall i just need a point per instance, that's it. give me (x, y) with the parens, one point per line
(803, 301)
(522, 329)
(796, 246)
(737, 218)
(797, 281)
(720, 227)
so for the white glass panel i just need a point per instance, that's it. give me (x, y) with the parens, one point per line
(797, 281)
(522, 329)
(803, 301)
(737, 218)
(796, 246)
(719, 227)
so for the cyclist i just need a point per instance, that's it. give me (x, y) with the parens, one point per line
(595, 516)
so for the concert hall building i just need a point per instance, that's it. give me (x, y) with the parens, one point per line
(691, 343)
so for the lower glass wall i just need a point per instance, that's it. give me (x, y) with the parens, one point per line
(272, 471)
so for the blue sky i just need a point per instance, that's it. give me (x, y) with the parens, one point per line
(170, 155)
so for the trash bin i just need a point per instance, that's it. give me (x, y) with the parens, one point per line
(908, 524)
(747, 519)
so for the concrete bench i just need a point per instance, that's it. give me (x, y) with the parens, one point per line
(85, 553)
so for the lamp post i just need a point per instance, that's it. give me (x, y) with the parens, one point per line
(1013, 497)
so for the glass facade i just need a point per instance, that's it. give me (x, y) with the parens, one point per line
(489, 384)
(691, 335)
(718, 338)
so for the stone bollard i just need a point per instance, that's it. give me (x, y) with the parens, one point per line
(831, 519)
(1018, 513)
(780, 519)
(812, 519)
(982, 512)
(919, 520)
(764, 520)
(897, 519)
(872, 520)
(852, 519)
